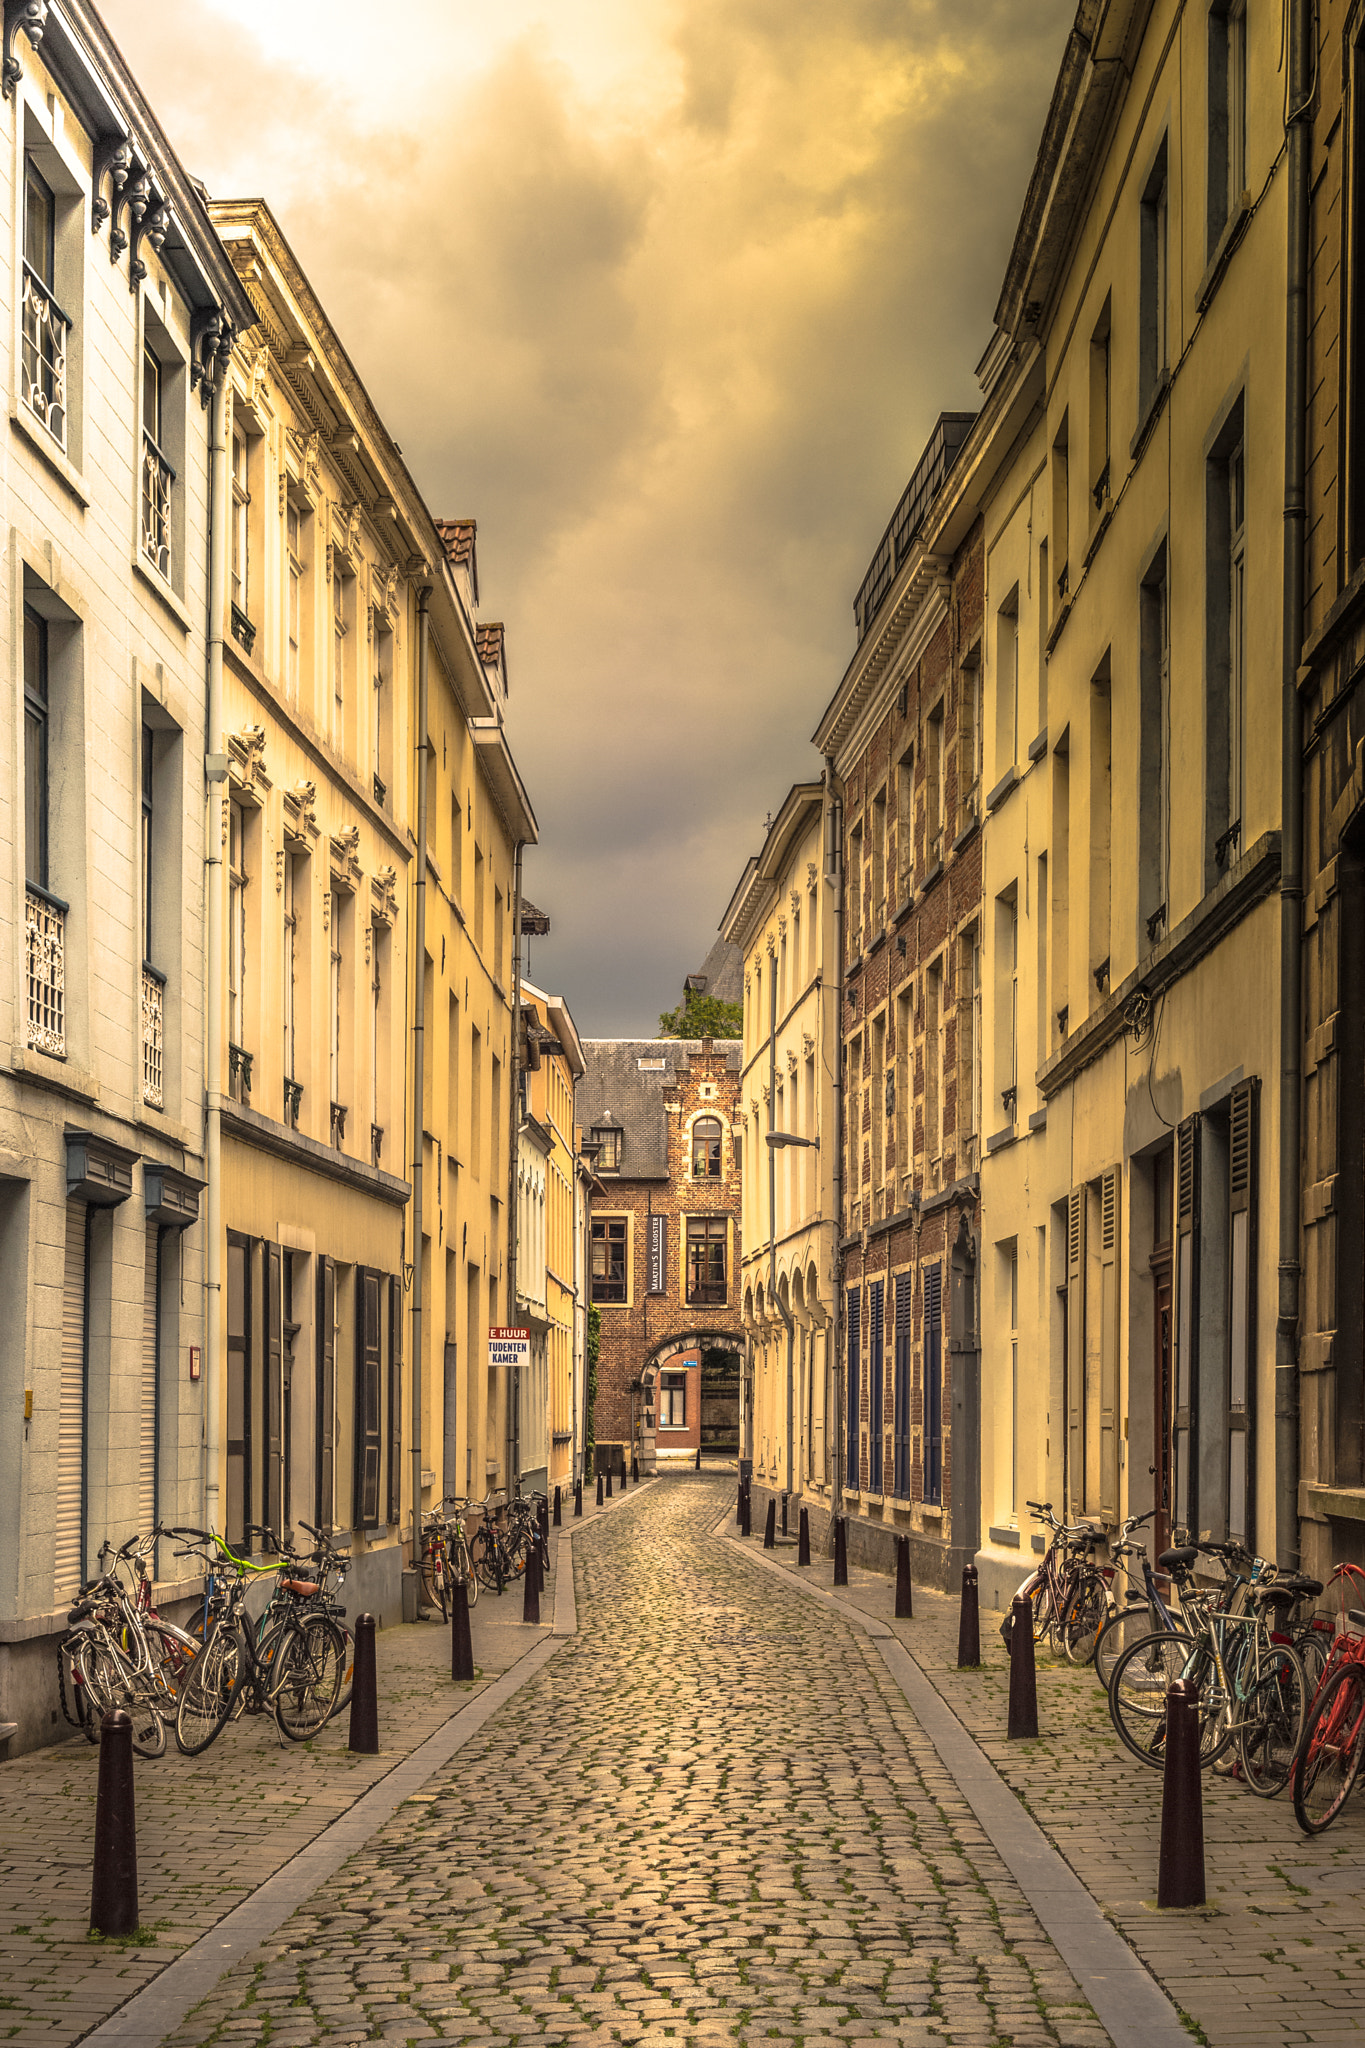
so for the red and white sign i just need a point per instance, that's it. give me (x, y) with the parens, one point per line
(509, 1347)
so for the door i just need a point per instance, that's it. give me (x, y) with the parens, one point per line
(1161, 1396)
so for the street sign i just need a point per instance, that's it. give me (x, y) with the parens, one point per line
(509, 1347)
(658, 1255)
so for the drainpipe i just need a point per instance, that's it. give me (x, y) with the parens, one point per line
(834, 876)
(782, 1307)
(1291, 797)
(513, 1118)
(419, 1032)
(215, 769)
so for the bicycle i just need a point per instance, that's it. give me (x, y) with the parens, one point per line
(458, 1554)
(1142, 1613)
(1092, 1605)
(1052, 1582)
(1328, 1762)
(121, 1653)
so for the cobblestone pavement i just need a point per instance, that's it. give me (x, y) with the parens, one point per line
(711, 1819)
(1278, 1954)
(210, 1828)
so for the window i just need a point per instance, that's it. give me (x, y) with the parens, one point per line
(933, 1071)
(706, 1242)
(969, 739)
(879, 861)
(607, 1139)
(383, 663)
(158, 477)
(1225, 649)
(334, 977)
(289, 978)
(293, 536)
(377, 935)
(1100, 484)
(905, 823)
(337, 715)
(1007, 684)
(1227, 114)
(36, 710)
(854, 905)
(933, 787)
(706, 1148)
(46, 328)
(1102, 827)
(239, 1068)
(1059, 545)
(1007, 999)
(1011, 1251)
(241, 504)
(969, 1044)
(1154, 768)
(148, 771)
(609, 1258)
(1153, 286)
(673, 1400)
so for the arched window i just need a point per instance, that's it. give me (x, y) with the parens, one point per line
(706, 1148)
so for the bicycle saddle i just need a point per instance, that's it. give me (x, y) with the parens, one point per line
(1300, 1585)
(302, 1589)
(1178, 1560)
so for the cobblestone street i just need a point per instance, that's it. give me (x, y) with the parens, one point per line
(711, 1819)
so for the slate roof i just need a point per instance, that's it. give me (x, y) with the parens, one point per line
(721, 973)
(616, 1091)
(533, 920)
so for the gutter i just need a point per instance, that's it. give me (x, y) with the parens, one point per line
(513, 1127)
(834, 875)
(216, 822)
(782, 1307)
(419, 941)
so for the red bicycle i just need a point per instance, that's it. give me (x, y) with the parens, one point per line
(1334, 1730)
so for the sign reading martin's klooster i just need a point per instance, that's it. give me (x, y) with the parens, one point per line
(509, 1347)
(658, 1255)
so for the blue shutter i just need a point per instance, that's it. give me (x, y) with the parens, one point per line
(851, 1447)
(876, 1400)
(933, 1385)
(905, 1292)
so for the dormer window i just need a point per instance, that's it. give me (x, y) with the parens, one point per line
(706, 1148)
(608, 1142)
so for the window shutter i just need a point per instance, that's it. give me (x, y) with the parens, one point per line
(1186, 1323)
(325, 1437)
(274, 1388)
(71, 1411)
(852, 1445)
(876, 1401)
(933, 1385)
(367, 1384)
(1110, 1191)
(1241, 1306)
(1075, 1349)
(147, 1404)
(901, 1423)
(395, 1442)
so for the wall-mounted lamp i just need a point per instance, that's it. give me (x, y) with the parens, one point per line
(789, 1138)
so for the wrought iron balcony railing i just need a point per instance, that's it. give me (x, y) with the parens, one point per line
(43, 356)
(153, 1036)
(45, 968)
(158, 482)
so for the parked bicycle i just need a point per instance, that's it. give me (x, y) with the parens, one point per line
(1067, 1563)
(119, 1653)
(1329, 1756)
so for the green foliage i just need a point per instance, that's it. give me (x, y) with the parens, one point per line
(591, 1349)
(699, 1016)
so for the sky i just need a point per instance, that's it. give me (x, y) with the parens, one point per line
(667, 294)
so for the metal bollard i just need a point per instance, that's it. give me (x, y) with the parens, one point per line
(1180, 1868)
(803, 1539)
(559, 1518)
(113, 1887)
(461, 1643)
(609, 1482)
(784, 1514)
(634, 1470)
(744, 1512)
(577, 1498)
(969, 1623)
(1023, 1720)
(364, 1737)
(625, 1482)
(599, 1487)
(530, 1599)
(905, 1603)
(770, 1527)
(739, 1505)
(698, 1464)
(840, 1550)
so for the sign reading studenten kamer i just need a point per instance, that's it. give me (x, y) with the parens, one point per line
(509, 1347)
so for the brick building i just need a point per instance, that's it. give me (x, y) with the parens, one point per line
(661, 1118)
(903, 737)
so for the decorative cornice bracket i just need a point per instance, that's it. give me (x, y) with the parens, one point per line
(31, 17)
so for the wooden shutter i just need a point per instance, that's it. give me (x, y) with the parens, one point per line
(876, 1396)
(933, 1385)
(70, 1557)
(394, 1486)
(852, 1446)
(1185, 1505)
(901, 1422)
(1241, 1308)
(1075, 1350)
(147, 1397)
(1110, 1191)
(367, 1397)
(324, 1464)
(274, 1388)
(237, 1447)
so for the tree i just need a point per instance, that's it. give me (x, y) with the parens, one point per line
(699, 1016)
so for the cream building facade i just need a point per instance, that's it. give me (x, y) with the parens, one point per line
(1132, 845)
(121, 305)
(549, 1268)
(781, 918)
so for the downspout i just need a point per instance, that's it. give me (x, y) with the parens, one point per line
(419, 1032)
(215, 769)
(782, 1307)
(514, 1120)
(834, 876)
(1291, 797)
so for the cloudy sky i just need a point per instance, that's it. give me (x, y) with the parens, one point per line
(667, 294)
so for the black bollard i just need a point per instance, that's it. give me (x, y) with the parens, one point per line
(577, 1498)
(461, 1643)
(625, 1483)
(905, 1604)
(530, 1599)
(1023, 1673)
(599, 1486)
(1180, 1869)
(803, 1539)
(559, 1519)
(609, 1482)
(969, 1623)
(770, 1527)
(113, 1888)
(784, 1514)
(745, 1507)
(364, 1738)
(840, 1551)
(634, 1470)
(698, 1465)
(739, 1505)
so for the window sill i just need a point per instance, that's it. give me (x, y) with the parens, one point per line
(1038, 747)
(1150, 415)
(934, 874)
(1058, 623)
(1008, 782)
(161, 589)
(1233, 228)
(1008, 1539)
(971, 825)
(56, 458)
(63, 1076)
(1001, 1139)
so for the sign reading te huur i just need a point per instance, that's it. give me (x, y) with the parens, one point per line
(509, 1347)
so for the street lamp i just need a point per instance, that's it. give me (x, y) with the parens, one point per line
(789, 1138)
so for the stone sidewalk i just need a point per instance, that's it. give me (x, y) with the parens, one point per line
(211, 1829)
(1277, 1955)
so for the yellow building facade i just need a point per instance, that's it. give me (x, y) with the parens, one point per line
(549, 1267)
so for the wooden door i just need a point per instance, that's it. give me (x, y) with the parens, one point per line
(1162, 1410)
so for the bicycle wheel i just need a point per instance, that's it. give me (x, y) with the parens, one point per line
(1137, 1696)
(1272, 1721)
(1329, 1756)
(462, 1567)
(1119, 1633)
(306, 1677)
(209, 1694)
(1083, 1617)
(343, 1698)
(172, 1653)
(434, 1579)
(110, 1683)
(489, 1562)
